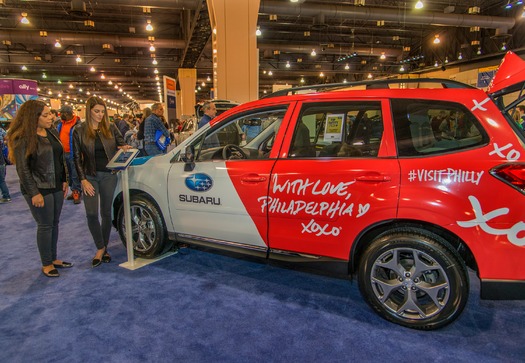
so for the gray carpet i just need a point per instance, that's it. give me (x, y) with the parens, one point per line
(198, 306)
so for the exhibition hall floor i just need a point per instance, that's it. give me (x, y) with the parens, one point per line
(197, 306)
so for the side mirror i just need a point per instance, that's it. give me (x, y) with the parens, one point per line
(189, 158)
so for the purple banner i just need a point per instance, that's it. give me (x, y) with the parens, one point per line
(24, 87)
(18, 87)
(6, 86)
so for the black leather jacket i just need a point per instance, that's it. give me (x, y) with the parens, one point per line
(38, 170)
(84, 148)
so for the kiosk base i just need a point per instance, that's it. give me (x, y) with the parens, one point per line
(141, 262)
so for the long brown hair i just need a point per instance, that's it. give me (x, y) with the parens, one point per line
(23, 128)
(104, 124)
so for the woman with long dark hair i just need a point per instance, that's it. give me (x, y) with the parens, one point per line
(35, 148)
(95, 142)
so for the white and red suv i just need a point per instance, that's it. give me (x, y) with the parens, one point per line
(406, 187)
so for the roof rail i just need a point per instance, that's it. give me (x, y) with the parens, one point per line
(371, 84)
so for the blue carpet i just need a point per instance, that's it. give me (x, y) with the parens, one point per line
(198, 306)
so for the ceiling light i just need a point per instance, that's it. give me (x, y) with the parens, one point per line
(156, 78)
(446, 59)
(102, 76)
(203, 84)
(157, 84)
(24, 68)
(71, 85)
(383, 56)
(155, 61)
(313, 54)
(294, 1)
(321, 74)
(302, 80)
(109, 82)
(49, 92)
(436, 39)
(479, 51)
(78, 60)
(287, 64)
(80, 90)
(120, 90)
(92, 69)
(208, 79)
(369, 76)
(58, 44)
(199, 88)
(149, 27)
(504, 46)
(419, 5)
(270, 73)
(152, 48)
(115, 86)
(59, 95)
(460, 56)
(44, 75)
(436, 64)
(24, 19)
(43, 33)
(156, 71)
(258, 32)
(347, 67)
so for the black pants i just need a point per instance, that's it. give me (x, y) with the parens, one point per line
(47, 219)
(104, 184)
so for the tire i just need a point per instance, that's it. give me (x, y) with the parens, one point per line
(148, 229)
(414, 278)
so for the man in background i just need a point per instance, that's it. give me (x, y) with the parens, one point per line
(6, 197)
(65, 130)
(210, 111)
(152, 124)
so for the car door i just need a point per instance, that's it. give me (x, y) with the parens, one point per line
(337, 178)
(216, 200)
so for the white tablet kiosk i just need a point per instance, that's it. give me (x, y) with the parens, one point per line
(122, 159)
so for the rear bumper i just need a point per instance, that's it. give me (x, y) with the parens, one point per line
(502, 290)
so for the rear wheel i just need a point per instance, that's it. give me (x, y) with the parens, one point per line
(147, 228)
(414, 278)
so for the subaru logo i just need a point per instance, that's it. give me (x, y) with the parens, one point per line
(199, 182)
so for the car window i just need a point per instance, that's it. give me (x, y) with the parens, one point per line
(253, 131)
(343, 129)
(429, 127)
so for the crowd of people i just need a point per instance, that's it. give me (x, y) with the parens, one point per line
(55, 152)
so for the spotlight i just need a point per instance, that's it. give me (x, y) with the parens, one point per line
(149, 27)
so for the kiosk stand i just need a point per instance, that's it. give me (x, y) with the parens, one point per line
(121, 162)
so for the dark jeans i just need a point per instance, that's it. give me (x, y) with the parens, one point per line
(3, 185)
(47, 219)
(74, 183)
(152, 149)
(104, 184)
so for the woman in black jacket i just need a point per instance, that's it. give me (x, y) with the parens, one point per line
(35, 148)
(95, 142)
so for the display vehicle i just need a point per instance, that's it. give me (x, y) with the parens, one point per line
(407, 184)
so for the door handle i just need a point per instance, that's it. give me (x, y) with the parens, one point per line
(374, 178)
(253, 178)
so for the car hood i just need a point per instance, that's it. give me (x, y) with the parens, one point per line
(510, 76)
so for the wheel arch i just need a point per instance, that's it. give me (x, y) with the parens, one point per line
(368, 235)
(119, 199)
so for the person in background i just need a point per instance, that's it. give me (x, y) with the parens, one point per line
(152, 124)
(124, 124)
(6, 197)
(95, 142)
(140, 130)
(36, 150)
(521, 115)
(210, 111)
(65, 130)
(56, 117)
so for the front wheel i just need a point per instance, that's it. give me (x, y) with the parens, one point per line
(414, 278)
(147, 228)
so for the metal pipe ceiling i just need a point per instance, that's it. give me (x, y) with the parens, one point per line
(399, 16)
(96, 40)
